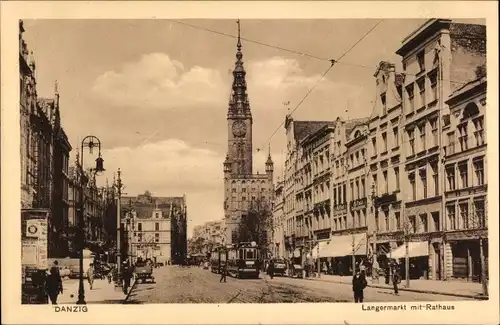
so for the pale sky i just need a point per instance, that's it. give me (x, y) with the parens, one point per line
(156, 92)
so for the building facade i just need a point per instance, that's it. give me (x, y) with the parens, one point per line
(279, 221)
(414, 171)
(241, 186)
(384, 163)
(437, 58)
(152, 227)
(45, 152)
(465, 191)
(297, 188)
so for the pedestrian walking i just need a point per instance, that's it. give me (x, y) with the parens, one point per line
(359, 284)
(396, 279)
(388, 274)
(91, 275)
(54, 283)
(126, 276)
(223, 273)
(270, 269)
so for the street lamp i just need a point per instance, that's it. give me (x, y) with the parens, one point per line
(90, 142)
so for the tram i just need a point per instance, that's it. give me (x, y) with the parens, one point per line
(218, 258)
(243, 260)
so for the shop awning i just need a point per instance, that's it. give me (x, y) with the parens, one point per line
(415, 249)
(321, 246)
(339, 246)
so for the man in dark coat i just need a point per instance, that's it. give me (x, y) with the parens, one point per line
(223, 273)
(54, 283)
(359, 283)
(270, 268)
(127, 276)
(396, 278)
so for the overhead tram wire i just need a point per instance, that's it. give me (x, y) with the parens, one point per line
(333, 62)
(249, 40)
(298, 52)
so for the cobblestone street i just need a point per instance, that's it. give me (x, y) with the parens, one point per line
(195, 285)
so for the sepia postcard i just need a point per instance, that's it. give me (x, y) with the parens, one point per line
(249, 162)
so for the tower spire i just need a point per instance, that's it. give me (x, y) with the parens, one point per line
(239, 38)
(238, 102)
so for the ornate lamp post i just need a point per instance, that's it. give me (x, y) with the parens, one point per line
(90, 142)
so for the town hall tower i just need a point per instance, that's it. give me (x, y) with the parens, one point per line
(241, 186)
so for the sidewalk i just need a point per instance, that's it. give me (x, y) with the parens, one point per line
(448, 288)
(101, 293)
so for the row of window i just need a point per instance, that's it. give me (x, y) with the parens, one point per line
(466, 216)
(461, 141)
(419, 184)
(140, 228)
(244, 190)
(142, 239)
(461, 169)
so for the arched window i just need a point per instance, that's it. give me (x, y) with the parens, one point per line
(470, 110)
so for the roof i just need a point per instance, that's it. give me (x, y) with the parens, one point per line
(350, 125)
(421, 33)
(302, 129)
(466, 88)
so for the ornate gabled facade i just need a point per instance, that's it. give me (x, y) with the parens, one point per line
(241, 185)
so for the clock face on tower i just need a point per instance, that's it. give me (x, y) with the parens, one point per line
(239, 128)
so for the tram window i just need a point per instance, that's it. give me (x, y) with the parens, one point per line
(250, 254)
(241, 256)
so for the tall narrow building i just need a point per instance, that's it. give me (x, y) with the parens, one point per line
(241, 185)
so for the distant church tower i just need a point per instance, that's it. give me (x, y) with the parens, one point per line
(241, 186)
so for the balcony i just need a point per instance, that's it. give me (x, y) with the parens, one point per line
(322, 206)
(358, 204)
(340, 207)
(385, 198)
